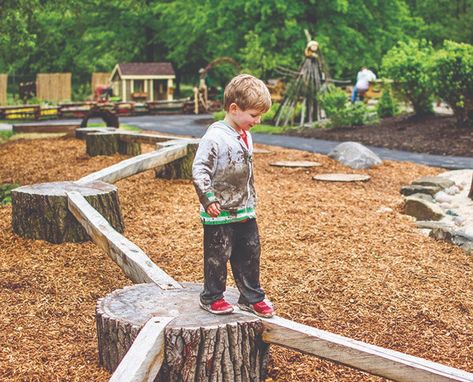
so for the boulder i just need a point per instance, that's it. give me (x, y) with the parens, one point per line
(355, 155)
(422, 209)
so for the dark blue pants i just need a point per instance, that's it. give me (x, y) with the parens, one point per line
(239, 243)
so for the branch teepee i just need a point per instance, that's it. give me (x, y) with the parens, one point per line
(304, 87)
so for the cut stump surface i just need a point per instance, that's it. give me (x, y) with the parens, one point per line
(302, 163)
(199, 346)
(342, 177)
(40, 211)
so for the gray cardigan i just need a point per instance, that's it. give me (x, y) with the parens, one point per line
(223, 172)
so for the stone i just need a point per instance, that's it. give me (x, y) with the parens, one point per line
(425, 197)
(355, 155)
(434, 181)
(410, 190)
(422, 209)
(443, 197)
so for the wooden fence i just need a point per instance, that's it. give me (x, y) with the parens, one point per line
(53, 87)
(3, 89)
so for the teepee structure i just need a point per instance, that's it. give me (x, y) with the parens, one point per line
(303, 89)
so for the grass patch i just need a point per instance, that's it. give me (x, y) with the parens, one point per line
(5, 135)
(271, 129)
(5, 193)
(123, 126)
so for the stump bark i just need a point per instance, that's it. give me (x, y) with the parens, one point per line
(179, 169)
(199, 346)
(40, 210)
(101, 144)
(129, 148)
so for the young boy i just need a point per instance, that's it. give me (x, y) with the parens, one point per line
(223, 178)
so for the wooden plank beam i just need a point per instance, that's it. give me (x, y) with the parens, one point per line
(137, 164)
(128, 136)
(194, 141)
(145, 357)
(136, 265)
(359, 355)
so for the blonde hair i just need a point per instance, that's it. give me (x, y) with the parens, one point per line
(247, 92)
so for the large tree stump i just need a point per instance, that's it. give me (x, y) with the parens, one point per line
(101, 144)
(199, 346)
(179, 169)
(40, 210)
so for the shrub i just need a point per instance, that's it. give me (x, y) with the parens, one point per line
(5, 193)
(219, 115)
(271, 113)
(452, 72)
(341, 112)
(408, 65)
(387, 106)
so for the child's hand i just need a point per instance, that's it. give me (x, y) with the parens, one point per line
(213, 209)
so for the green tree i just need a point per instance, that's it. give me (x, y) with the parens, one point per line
(452, 71)
(407, 64)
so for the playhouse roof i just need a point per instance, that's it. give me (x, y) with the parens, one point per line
(150, 69)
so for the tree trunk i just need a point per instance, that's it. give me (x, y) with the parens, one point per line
(179, 169)
(101, 144)
(199, 346)
(40, 211)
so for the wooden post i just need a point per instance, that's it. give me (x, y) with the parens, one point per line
(199, 346)
(181, 168)
(40, 211)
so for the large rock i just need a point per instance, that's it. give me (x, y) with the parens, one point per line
(355, 155)
(422, 209)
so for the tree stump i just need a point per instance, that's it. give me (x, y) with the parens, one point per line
(40, 210)
(129, 148)
(199, 346)
(101, 144)
(179, 169)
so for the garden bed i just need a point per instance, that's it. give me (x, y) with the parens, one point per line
(436, 134)
(333, 258)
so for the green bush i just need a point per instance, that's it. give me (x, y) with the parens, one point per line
(387, 105)
(341, 112)
(5, 193)
(408, 65)
(452, 72)
(271, 113)
(219, 115)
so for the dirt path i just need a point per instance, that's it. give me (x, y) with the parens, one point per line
(330, 260)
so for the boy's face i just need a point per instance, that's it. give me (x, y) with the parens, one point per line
(244, 119)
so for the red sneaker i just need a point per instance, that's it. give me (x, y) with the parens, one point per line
(261, 309)
(218, 307)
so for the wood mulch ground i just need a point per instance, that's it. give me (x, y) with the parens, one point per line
(330, 260)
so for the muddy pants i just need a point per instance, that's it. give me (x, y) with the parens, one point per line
(240, 243)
